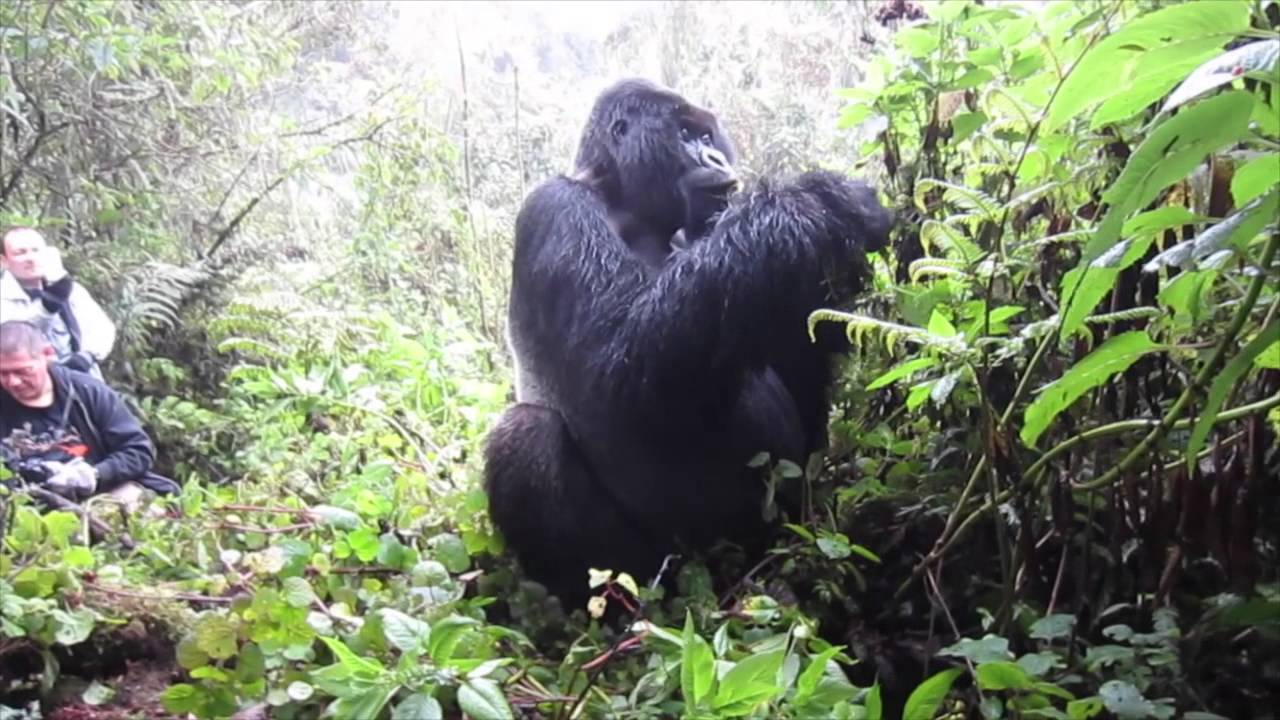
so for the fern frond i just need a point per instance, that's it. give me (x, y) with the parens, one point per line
(936, 266)
(857, 326)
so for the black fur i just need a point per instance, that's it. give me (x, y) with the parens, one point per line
(648, 377)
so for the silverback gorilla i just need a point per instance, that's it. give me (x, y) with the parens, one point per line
(649, 374)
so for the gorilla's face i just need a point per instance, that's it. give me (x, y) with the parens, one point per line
(651, 149)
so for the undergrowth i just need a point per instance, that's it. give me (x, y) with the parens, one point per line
(1048, 495)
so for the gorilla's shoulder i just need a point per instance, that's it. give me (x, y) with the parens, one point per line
(557, 201)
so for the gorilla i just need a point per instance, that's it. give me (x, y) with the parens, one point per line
(659, 327)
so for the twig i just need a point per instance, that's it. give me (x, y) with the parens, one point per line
(728, 594)
(187, 597)
(264, 530)
(226, 233)
(258, 508)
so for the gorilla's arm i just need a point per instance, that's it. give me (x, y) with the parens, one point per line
(710, 313)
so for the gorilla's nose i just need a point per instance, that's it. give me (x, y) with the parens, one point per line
(715, 160)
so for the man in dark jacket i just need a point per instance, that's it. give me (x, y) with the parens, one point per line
(68, 427)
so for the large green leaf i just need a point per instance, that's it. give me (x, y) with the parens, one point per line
(1153, 74)
(749, 682)
(1256, 57)
(1113, 356)
(924, 701)
(1003, 676)
(1255, 177)
(1094, 78)
(408, 634)
(1223, 382)
(697, 667)
(1168, 154)
(482, 699)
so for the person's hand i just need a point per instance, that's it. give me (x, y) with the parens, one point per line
(51, 264)
(73, 480)
(81, 360)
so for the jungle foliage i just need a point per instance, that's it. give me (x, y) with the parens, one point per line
(1053, 476)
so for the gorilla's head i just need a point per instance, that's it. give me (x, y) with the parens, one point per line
(642, 142)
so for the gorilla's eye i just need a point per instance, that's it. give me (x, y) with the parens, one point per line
(687, 135)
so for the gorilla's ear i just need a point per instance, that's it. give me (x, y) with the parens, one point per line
(618, 129)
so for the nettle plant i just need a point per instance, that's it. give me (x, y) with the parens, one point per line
(1170, 164)
(1084, 277)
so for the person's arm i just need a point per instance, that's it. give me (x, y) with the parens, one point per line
(127, 451)
(97, 332)
(55, 294)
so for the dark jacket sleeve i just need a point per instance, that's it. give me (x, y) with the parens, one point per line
(126, 453)
(55, 295)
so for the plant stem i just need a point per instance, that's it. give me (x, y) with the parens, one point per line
(1201, 379)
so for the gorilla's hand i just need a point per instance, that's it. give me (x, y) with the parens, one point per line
(854, 207)
(706, 192)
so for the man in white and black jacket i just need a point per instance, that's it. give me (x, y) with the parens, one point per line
(100, 446)
(35, 287)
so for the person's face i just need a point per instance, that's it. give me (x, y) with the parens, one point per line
(23, 250)
(24, 377)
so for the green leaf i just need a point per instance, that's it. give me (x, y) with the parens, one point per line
(445, 635)
(97, 694)
(697, 666)
(365, 704)
(297, 592)
(1084, 708)
(918, 41)
(250, 664)
(418, 706)
(873, 704)
(1053, 627)
(1269, 357)
(903, 370)
(299, 691)
(991, 648)
(1085, 87)
(1255, 178)
(78, 556)
(749, 682)
(924, 701)
(1168, 154)
(180, 699)
(1240, 227)
(1185, 295)
(216, 637)
(451, 551)
(1038, 664)
(482, 699)
(1257, 57)
(1223, 382)
(1152, 76)
(408, 634)
(364, 542)
(808, 680)
(1126, 701)
(1003, 676)
(59, 526)
(189, 654)
(350, 661)
(337, 517)
(73, 627)
(1113, 356)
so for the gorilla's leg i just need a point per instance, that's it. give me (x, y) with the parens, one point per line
(551, 510)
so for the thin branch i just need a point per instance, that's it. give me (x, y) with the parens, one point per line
(226, 233)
